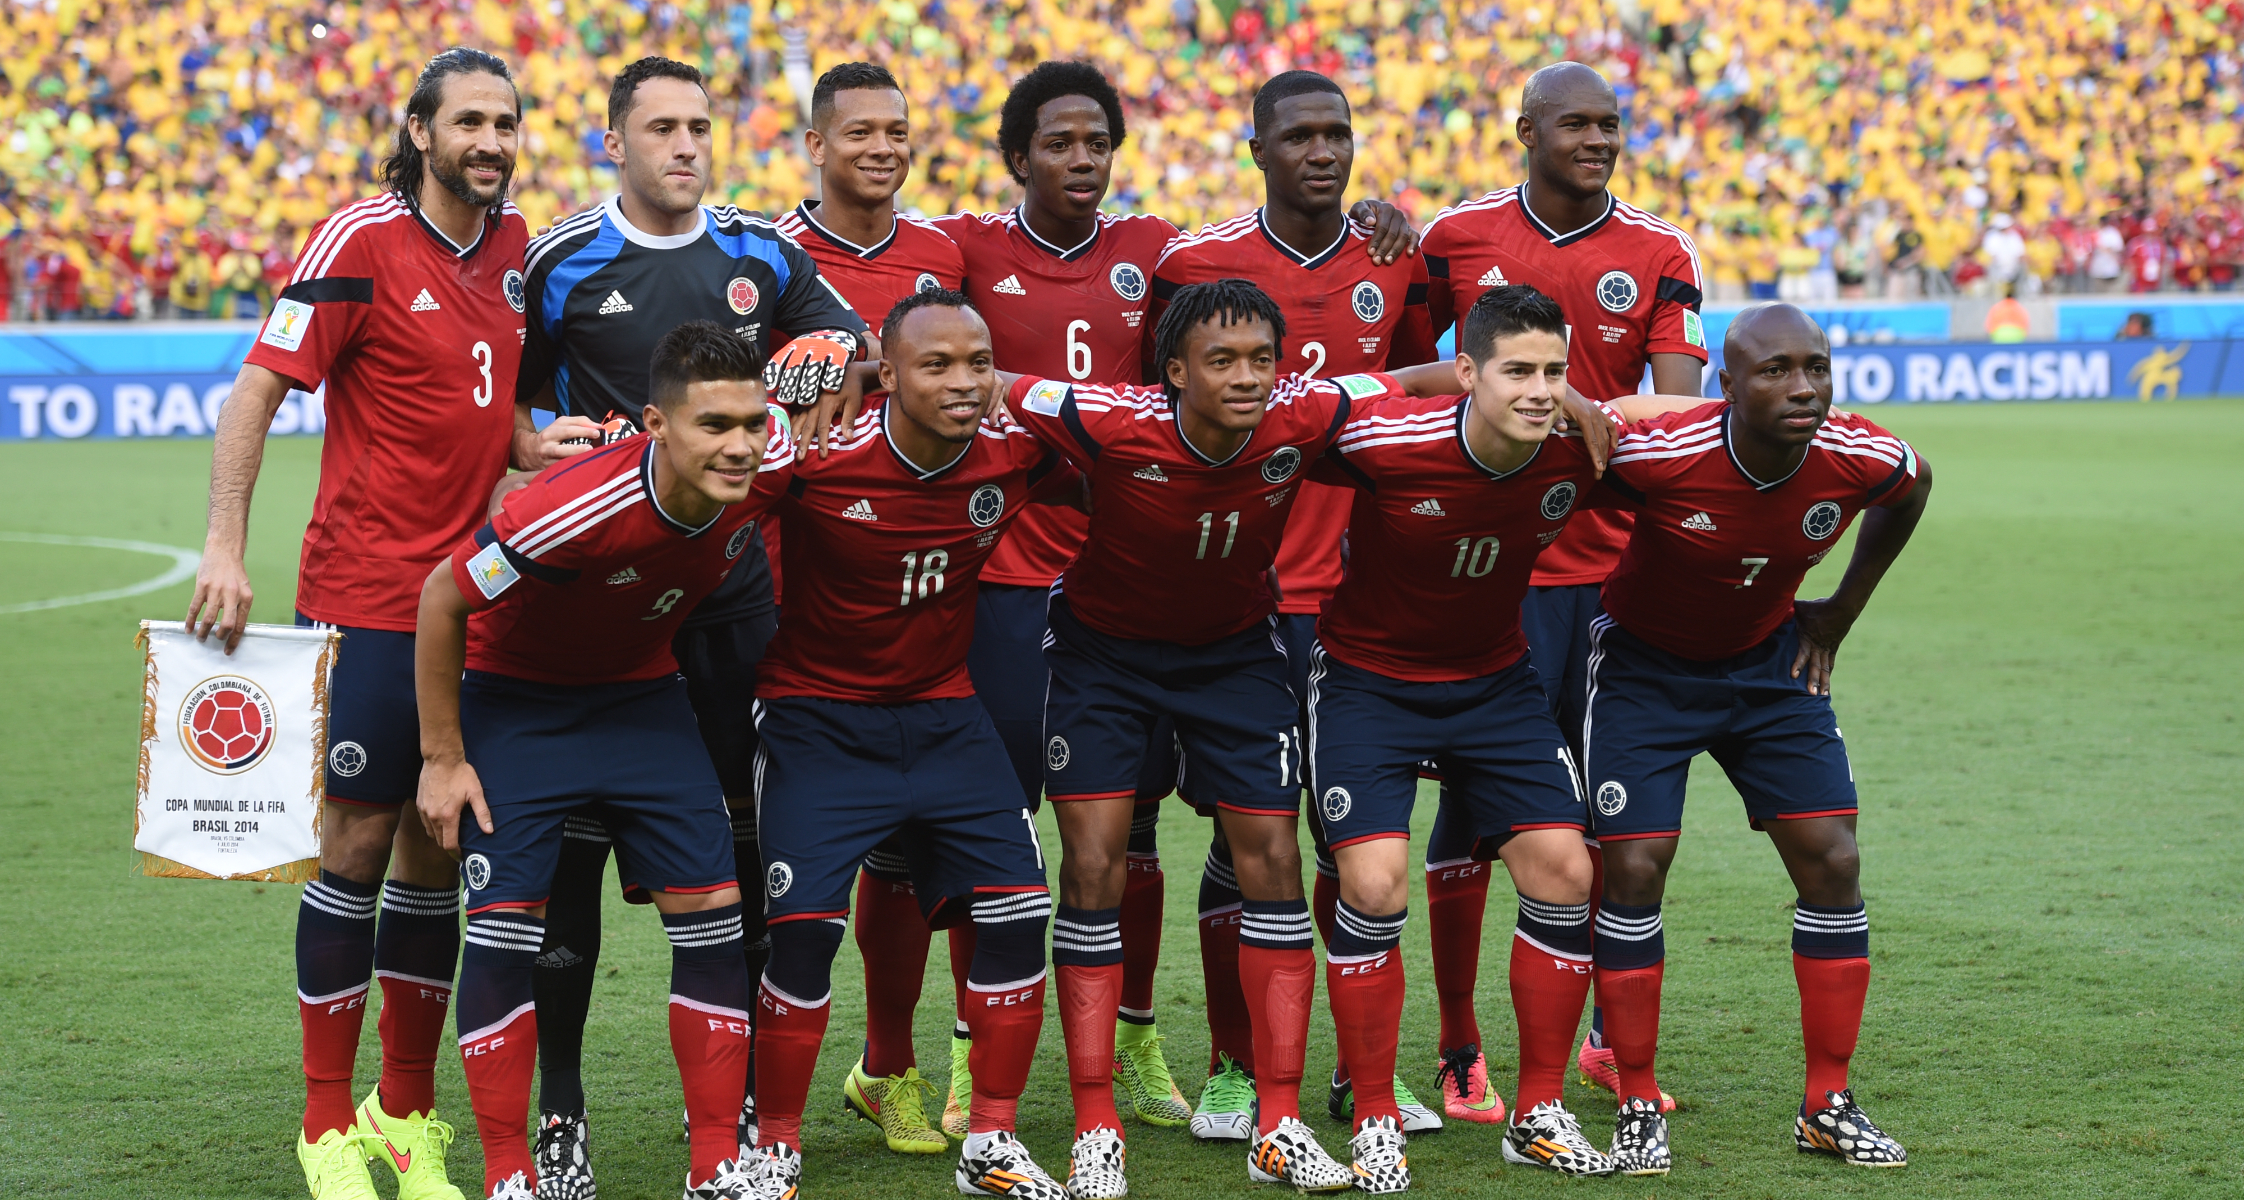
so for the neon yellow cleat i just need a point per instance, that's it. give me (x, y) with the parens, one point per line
(1143, 1072)
(413, 1145)
(961, 1100)
(335, 1166)
(896, 1103)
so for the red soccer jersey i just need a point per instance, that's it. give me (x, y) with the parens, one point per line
(914, 257)
(882, 561)
(582, 578)
(1630, 287)
(1076, 314)
(1717, 556)
(1344, 315)
(1440, 546)
(418, 341)
(1178, 543)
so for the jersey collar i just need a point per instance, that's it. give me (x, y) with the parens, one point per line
(647, 482)
(1564, 239)
(1176, 426)
(805, 211)
(639, 237)
(491, 215)
(888, 408)
(1064, 254)
(1464, 406)
(1729, 414)
(1310, 261)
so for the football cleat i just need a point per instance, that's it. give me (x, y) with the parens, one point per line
(1463, 1082)
(564, 1158)
(1598, 1070)
(414, 1147)
(1094, 1167)
(1143, 1072)
(335, 1166)
(1290, 1155)
(734, 1179)
(961, 1098)
(746, 1131)
(1002, 1167)
(775, 1172)
(1844, 1130)
(513, 1187)
(898, 1105)
(1340, 1101)
(1226, 1112)
(1381, 1166)
(1549, 1136)
(1639, 1139)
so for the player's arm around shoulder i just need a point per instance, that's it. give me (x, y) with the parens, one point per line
(1887, 524)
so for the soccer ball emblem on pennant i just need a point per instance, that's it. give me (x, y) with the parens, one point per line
(226, 724)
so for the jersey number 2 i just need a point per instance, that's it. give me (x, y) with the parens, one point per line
(482, 393)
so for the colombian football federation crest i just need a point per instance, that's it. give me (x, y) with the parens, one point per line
(1128, 280)
(986, 505)
(927, 283)
(1617, 291)
(226, 724)
(778, 879)
(1558, 501)
(739, 540)
(1055, 753)
(511, 283)
(346, 759)
(1369, 302)
(1822, 519)
(1611, 798)
(1280, 466)
(741, 294)
(478, 871)
(1336, 803)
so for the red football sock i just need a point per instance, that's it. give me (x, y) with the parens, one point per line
(892, 934)
(1278, 985)
(1005, 1026)
(787, 1037)
(1088, 998)
(1141, 932)
(331, 1028)
(711, 1046)
(1547, 994)
(1632, 1026)
(1456, 900)
(412, 1020)
(501, 1062)
(1324, 900)
(1831, 995)
(1597, 900)
(1230, 1028)
(1367, 1003)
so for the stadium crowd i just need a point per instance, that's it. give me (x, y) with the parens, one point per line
(163, 159)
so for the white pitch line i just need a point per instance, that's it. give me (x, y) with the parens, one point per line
(183, 564)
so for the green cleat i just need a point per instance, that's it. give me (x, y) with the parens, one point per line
(335, 1166)
(896, 1103)
(961, 1099)
(1143, 1072)
(1226, 1112)
(414, 1147)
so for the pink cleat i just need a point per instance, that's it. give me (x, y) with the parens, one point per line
(1465, 1094)
(1597, 1067)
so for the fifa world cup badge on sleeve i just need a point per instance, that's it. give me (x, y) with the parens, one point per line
(491, 571)
(233, 753)
(1044, 397)
(285, 328)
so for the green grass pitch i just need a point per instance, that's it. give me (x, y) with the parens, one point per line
(2041, 704)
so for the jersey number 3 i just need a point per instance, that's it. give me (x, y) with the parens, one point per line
(482, 392)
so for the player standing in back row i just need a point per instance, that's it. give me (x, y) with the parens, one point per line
(409, 306)
(1630, 286)
(605, 286)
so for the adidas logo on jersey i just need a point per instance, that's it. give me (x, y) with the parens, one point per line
(860, 511)
(1151, 474)
(626, 575)
(424, 302)
(1428, 508)
(615, 303)
(1699, 522)
(1010, 286)
(1494, 278)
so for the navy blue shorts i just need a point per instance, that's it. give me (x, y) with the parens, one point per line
(719, 663)
(373, 720)
(1007, 664)
(1650, 712)
(1297, 632)
(1235, 716)
(1493, 737)
(835, 779)
(624, 754)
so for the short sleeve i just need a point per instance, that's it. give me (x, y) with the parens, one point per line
(1676, 296)
(777, 469)
(809, 301)
(1413, 340)
(323, 310)
(1047, 409)
(496, 559)
(1441, 302)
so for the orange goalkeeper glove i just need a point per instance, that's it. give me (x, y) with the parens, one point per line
(810, 364)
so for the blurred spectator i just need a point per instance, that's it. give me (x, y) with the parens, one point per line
(191, 284)
(2146, 258)
(2136, 327)
(2106, 264)
(2003, 249)
(2006, 321)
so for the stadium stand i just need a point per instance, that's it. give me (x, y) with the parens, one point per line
(163, 159)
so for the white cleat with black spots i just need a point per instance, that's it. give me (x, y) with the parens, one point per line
(1845, 1131)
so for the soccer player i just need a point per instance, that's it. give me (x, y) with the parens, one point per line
(1346, 312)
(408, 305)
(604, 287)
(860, 141)
(561, 610)
(870, 727)
(1700, 645)
(1630, 284)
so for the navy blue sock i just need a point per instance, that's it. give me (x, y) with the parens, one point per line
(1629, 937)
(1819, 932)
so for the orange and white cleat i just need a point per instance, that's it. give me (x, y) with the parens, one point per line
(1598, 1070)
